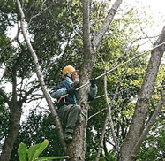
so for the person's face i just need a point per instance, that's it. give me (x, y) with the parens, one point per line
(75, 77)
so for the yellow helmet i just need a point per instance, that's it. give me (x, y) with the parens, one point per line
(68, 69)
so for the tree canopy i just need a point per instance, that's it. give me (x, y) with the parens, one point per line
(56, 31)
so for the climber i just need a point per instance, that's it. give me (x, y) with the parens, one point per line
(68, 109)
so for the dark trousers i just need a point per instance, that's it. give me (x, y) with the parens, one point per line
(69, 115)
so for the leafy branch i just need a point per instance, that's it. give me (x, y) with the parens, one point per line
(33, 153)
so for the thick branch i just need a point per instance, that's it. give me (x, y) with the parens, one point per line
(86, 26)
(105, 25)
(40, 77)
(108, 118)
(89, 57)
(148, 127)
(147, 89)
(14, 83)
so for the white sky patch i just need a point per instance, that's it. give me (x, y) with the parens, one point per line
(155, 9)
(12, 31)
(156, 5)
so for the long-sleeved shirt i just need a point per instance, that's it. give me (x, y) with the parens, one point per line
(60, 92)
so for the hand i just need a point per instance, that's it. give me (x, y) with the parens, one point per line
(71, 91)
(51, 91)
(92, 81)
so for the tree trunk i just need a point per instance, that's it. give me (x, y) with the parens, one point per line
(15, 115)
(77, 148)
(13, 132)
(139, 117)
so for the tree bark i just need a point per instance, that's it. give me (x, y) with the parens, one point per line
(77, 148)
(147, 89)
(148, 126)
(105, 25)
(15, 116)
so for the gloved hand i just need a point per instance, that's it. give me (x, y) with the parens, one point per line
(92, 81)
(71, 91)
(81, 119)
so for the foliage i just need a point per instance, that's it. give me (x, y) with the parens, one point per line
(59, 31)
(33, 153)
(7, 14)
(153, 147)
(123, 87)
(4, 120)
(55, 28)
(1, 105)
(36, 128)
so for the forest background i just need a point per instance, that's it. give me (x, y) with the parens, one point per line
(55, 30)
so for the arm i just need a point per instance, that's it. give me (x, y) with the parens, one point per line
(59, 90)
(58, 93)
(62, 90)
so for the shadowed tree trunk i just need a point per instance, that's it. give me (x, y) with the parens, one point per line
(79, 139)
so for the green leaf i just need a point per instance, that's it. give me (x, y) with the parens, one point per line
(43, 146)
(32, 150)
(22, 151)
(46, 158)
